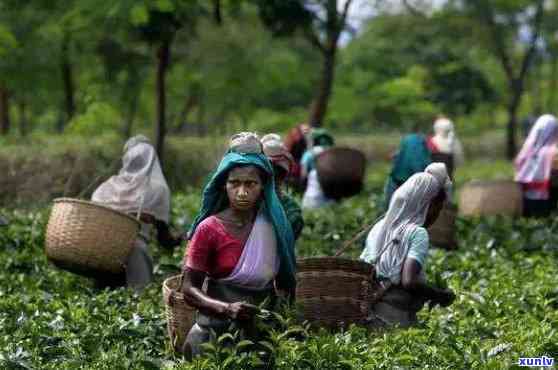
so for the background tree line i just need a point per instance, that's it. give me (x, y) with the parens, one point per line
(193, 67)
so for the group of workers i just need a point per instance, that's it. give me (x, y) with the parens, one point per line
(241, 245)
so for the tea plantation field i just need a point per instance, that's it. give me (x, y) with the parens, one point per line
(505, 275)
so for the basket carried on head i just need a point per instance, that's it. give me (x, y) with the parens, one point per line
(180, 316)
(341, 172)
(484, 198)
(443, 233)
(333, 291)
(87, 238)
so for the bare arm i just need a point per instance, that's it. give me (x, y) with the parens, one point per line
(192, 283)
(165, 237)
(410, 281)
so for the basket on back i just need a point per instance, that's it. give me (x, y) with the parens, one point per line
(180, 316)
(442, 233)
(485, 198)
(341, 172)
(334, 292)
(87, 238)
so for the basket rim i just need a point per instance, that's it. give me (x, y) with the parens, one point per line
(97, 205)
(333, 258)
(170, 290)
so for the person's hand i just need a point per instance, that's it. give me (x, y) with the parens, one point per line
(241, 310)
(447, 296)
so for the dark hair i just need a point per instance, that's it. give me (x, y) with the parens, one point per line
(279, 171)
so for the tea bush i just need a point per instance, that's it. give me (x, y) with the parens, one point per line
(504, 274)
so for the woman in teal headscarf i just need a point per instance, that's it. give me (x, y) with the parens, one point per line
(241, 247)
(413, 157)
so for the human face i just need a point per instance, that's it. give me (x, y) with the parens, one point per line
(434, 209)
(244, 188)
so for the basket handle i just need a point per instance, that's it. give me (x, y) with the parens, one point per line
(97, 178)
(356, 237)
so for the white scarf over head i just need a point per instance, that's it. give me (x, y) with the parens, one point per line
(533, 164)
(407, 211)
(140, 183)
(446, 141)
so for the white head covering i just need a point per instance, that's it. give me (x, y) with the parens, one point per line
(277, 152)
(533, 164)
(140, 183)
(445, 139)
(440, 172)
(407, 211)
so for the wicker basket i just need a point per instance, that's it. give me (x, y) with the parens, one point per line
(334, 292)
(180, 316)
(89, 239)
(443, 233)
(341, 172)
(484, 198)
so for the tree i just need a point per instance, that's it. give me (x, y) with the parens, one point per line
(322, 23)
(392, 48)
(500, 24)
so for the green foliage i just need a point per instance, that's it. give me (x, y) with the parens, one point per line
(504, 275)
(99, 118)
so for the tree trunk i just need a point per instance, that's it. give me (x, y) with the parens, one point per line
(68, 81)
(318, 109)
(517, 93)
(4, 111)
(22, 118)
(163, 58)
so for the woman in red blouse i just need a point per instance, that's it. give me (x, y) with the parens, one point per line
(241, 247)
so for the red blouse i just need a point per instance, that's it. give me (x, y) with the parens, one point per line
(213, 250)
(431, 145)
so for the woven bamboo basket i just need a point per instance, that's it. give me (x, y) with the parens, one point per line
(334, 292)
(341, 172)
(89, 239)
(180, 316)
(442, 233)
(485, 198)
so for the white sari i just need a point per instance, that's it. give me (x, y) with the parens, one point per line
(259, 263)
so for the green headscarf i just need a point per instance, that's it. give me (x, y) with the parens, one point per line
(213, 199)
(413, 157)
(320, 137)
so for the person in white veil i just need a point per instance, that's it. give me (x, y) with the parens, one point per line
(139, 187)
(445, 142)
(398, 247)
(534, 168)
